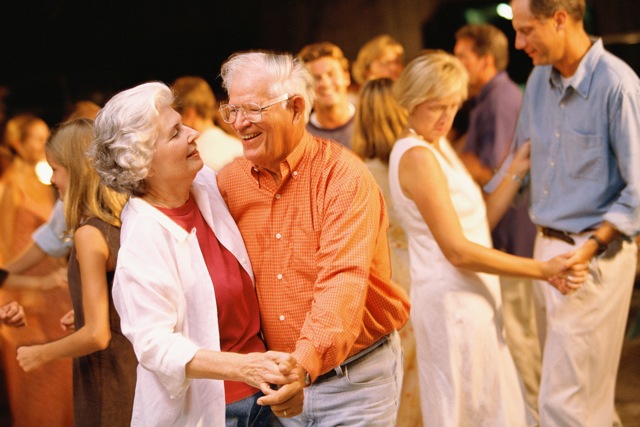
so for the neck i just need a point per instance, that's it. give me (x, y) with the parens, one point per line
(331, 117)
(412, 132)
(576, 48)
(166, 199)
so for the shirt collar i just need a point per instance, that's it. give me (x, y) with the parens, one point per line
(291, 162)
(581, 80)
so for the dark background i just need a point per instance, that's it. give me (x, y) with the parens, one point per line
(56, 52)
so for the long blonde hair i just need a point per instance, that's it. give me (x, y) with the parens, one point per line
(85, 197)
(379, 120)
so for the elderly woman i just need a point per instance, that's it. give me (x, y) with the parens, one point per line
(183, 284)
(467, 375)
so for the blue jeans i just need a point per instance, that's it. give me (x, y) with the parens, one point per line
(367, 395)
(247, 413)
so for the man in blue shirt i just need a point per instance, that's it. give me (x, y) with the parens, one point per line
(581, 112)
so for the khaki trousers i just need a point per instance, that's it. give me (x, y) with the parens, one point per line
(582, 336)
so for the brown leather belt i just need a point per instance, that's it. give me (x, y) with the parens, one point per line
(557, 234)
(351, 361)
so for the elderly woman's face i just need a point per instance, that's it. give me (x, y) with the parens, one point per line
(433, 118)
(176, 158)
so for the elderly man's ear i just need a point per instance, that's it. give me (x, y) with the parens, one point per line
(297, 104)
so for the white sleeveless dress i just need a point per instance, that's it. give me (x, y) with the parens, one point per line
(467, 375)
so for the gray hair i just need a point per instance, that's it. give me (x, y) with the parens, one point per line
(434, 74)
(125, 133)
(282, 72)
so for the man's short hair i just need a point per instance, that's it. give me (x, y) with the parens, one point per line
(314, 51)
(487, 40)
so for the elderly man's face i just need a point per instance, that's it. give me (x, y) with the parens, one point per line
(176, 157)
(270, 140)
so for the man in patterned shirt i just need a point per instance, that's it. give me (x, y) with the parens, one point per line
(315, 226)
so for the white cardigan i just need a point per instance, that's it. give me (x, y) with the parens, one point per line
(167, 306)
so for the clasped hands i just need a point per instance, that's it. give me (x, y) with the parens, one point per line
(568, 272)
(284, 373)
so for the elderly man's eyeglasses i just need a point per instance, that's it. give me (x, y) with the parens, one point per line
(252, 112)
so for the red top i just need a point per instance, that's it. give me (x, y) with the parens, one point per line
(238, 313)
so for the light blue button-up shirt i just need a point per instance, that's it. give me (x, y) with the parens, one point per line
(585, 144)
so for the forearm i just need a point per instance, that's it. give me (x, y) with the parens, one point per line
(256, 369)
(29, 257)
(471, 256)
(21, 282)
(215, 365)
(499, 201)
(80, 343)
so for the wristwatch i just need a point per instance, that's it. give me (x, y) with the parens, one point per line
(602, 247)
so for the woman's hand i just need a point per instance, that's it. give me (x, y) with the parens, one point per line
(261, 370)
(30, 357)
(68, 321)
(12, 314)
(566, 272)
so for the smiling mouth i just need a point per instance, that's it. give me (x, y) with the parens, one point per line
(249, 136)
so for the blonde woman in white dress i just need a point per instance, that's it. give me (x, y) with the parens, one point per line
(467, 375)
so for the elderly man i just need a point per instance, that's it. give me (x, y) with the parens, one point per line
(315, 226)
(580, 112)
(333, 115)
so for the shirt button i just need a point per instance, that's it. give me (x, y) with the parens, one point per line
(279, 276)
(277, 196)
(295, 173)
(562, 105)
(557, 134)
(552, 163)
(278, 236)
(282, 317)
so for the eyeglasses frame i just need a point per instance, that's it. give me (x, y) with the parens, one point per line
(236, 108)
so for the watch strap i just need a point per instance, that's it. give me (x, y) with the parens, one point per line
(602, 247)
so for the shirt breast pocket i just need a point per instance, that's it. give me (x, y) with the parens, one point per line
(585, 156)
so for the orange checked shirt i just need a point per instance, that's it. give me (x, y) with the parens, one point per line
(319, 251)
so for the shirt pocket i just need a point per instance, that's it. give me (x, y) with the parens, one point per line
(585, 158)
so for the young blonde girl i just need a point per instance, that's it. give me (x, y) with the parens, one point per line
(103, 360)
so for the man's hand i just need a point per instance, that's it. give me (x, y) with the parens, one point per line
(287, 401)
(261, 370)
(566, 272)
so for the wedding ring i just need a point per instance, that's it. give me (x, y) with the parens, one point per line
(284, 413)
